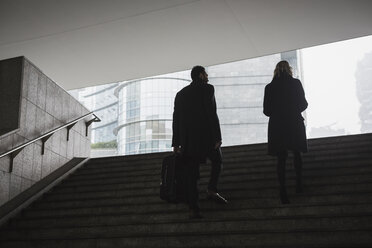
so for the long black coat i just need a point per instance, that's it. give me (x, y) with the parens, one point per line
(284, 101)
(196, 126)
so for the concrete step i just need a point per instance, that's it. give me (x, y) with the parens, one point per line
(313, 144)
(243, 171)
(264, 165)
(268, 191)
(206, 205)
(313, 149)
(63, 188)
(322, 143)
(308, 157)
(341, 139)
(304, 239)
(268, 167)
(153, 181)
(234, 197)
(351, 153)
(244, 225)
(175, 215)
(249, 184)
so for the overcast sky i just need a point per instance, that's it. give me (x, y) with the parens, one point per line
(329, 81)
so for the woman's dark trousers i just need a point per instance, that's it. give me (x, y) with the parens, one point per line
(282, 157)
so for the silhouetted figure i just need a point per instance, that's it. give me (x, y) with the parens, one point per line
(197, 134)
(284, 101)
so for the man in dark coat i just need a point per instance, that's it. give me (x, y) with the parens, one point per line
(197, 134)
(284, 101)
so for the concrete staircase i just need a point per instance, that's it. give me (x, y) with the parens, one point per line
(114, 202)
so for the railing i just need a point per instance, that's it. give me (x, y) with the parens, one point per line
(15, 151)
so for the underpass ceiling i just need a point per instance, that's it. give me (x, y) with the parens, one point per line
(83, 43)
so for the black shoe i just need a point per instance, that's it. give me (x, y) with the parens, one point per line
(216, 197)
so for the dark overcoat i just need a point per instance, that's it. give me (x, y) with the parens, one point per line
(196, 126)
(284, 100)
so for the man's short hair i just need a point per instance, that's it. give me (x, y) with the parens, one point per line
(195, 72)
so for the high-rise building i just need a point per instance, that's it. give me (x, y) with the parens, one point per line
(146, 105)
(102, 101)
(137, 115)
(145, 113)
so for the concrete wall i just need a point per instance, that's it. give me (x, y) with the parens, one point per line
(44, 106)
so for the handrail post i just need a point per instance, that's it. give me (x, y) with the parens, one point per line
(68, 130)
(43, 140)
(12, 157)
(88, 123)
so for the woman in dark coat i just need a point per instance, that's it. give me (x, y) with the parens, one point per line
(284, 101)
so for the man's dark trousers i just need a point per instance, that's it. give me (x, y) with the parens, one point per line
(193, 175)
(215, 156)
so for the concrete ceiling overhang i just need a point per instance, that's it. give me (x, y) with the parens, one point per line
(80, 43)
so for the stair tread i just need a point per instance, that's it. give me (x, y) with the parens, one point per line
(114, 202)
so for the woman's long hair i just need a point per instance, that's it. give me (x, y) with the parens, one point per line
(282, 68)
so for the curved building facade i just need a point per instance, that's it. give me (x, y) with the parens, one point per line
(146, 105)
(101, 100)
(145, 113)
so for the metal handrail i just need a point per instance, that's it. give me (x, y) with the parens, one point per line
(14, 152)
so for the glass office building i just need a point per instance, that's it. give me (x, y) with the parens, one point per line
(105, 106)
(102, 101)
(137, 114)
(145, 113)
(146, 105)
(239, 88)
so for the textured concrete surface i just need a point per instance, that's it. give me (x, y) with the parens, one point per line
(43, 106)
